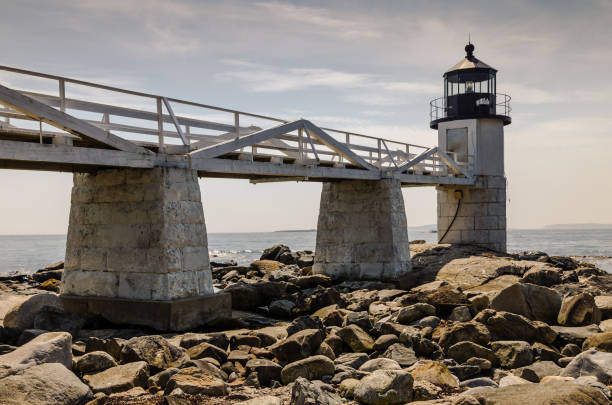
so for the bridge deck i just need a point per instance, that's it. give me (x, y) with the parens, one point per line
(104, 127)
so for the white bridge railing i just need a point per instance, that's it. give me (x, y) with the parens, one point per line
(175, 126)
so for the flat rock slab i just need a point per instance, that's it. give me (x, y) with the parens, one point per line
(52, 347)
(43, 384)
(551, 393)
(119, 378)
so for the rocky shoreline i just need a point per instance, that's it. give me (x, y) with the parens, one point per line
(468, 326)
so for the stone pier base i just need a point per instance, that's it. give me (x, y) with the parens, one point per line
(362, 231)
(481, 219)
(138, 236)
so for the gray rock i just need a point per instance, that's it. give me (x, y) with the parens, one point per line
(579, 310)
(154, 350)
(356, 338)
(512, 380)
(305, 392)
(478, 382)
(532, 301)
(267, 370)
(570, 350)
(384, 341)
(414, 312)
(119, 378)
(311, 368)
(204, 349)
(55, 319)
(385, 387)
(281, 308)
(460, 314)
(512, 353)
(52, 347)
(552, 393)
(43, 384)
(297, 346)
(404, 356)
(380, 364)
(265, 400)
(591, 362)
(428, 321)
(538, 370)
(111, 346)
(464, 331)
(361, 319)
(464, 371)
(575, 334)
(94, 361)
(353, 360)
(161, 379)
(21, 316)
(197, 384)
(463, 351)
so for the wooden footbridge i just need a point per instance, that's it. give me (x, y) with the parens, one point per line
(61, 124)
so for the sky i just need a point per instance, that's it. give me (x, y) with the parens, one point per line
(368, 67)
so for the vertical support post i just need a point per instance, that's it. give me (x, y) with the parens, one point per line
(62, 95)
(379, 164)
(237, 124)
(160, 124)
(300, 144)
(40, 131)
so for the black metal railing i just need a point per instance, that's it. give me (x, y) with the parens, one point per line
(440, 108)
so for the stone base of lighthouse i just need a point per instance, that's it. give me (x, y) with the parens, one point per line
(362, 231)
(137, 250)
(481, 217)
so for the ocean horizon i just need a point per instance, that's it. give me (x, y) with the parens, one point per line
(28, 253)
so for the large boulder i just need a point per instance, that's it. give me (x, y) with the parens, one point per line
(385, 387)
(506, 325)
(54, 319)
(512, 353)
(599, 341)
(356, 338)
(51, 347)
(579, 310)
(119, 378)
(575, 334)
(43, 384)
(353, 360)
(464, 331)
(297, 346)
(550, 393)
(306, 392)
(476, 270)
(532, 301)
(111, 346)
(22, 315)
(275, 252)
(380, 363)
(463, 351)
(591, 362)
(311, 368)
(154, 350)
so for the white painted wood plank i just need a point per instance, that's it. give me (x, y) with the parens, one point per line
(248, 140)
(418, 159)
(33, 108)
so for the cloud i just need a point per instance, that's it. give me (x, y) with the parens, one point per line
(320, 19)
(360, 88)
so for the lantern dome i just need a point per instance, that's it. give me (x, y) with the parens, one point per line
(470, 92)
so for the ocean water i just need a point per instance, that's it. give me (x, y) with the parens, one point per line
(27, 253)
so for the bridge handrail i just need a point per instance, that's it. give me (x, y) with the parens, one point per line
(62, 80)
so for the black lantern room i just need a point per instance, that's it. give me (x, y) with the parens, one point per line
(470, 92)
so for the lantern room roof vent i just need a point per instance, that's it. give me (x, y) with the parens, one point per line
(469, 62)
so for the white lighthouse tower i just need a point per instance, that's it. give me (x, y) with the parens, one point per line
(470, 120)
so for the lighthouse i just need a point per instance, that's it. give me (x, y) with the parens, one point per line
(470, 120)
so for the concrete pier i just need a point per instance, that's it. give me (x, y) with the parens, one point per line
(137, 239)
(362, 231)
